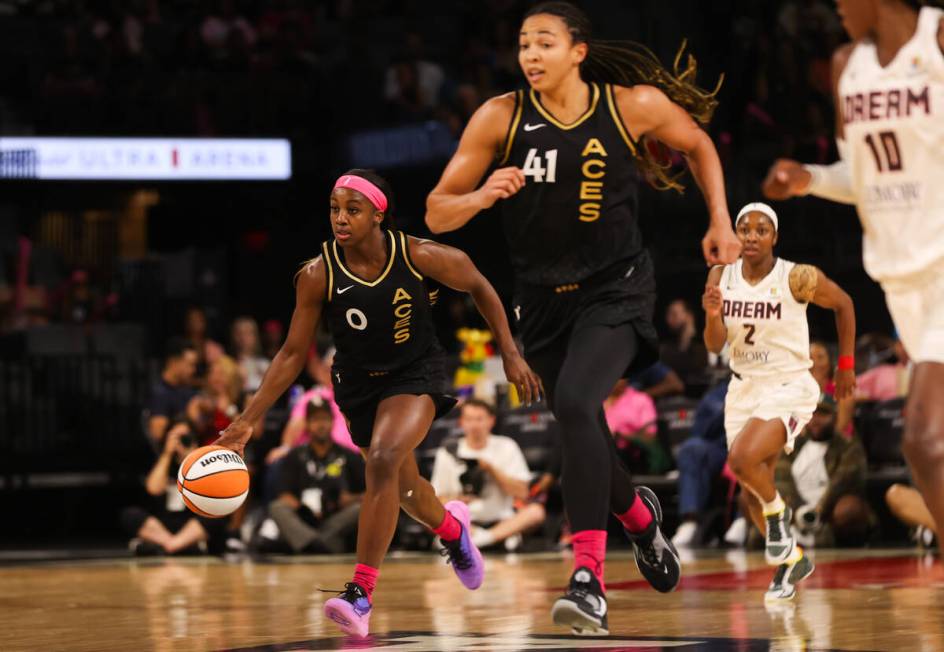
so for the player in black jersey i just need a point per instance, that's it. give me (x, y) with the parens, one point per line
(388, 376)
(568, 152)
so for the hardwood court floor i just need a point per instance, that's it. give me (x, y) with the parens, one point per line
(869, 600)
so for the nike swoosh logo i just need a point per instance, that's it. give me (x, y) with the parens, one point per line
(343, 290)
(528, 127)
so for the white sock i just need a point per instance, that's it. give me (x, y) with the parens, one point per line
(775, 506)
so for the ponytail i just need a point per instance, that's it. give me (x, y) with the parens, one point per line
(627, 63)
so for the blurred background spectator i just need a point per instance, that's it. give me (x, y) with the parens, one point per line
(489, 473)
(318, 492)
(823, 482)
(166, 526)
(172, 392)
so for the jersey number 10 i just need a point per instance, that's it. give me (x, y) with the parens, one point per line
(889, 142)
(534, 166)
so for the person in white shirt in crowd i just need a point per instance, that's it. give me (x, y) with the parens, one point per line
(823, 481)
(489, 473)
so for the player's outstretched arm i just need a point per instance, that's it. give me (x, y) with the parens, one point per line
(455, 200)
(809, 284)
(649, 112)
(454, 268)
(716, 333)
(288, 362)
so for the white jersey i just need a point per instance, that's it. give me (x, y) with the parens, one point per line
(893, 121)
(767, 330)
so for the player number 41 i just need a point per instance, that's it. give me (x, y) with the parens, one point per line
(534, 166)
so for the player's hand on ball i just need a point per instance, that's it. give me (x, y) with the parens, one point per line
(845, 383)
(785, 179)
(235, 436)
(711, 301)
(720, 246)
(501, 184)
(529, 386)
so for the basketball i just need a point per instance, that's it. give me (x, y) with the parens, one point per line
(213, 481)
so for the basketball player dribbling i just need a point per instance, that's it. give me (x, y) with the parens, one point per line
(757, 307)
(569, 154)
(889, 85)
(388, 375)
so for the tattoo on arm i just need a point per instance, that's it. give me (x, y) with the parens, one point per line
(803, 281)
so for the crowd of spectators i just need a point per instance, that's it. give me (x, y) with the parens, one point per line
(308, 475)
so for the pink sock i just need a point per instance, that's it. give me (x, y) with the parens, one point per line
(590, 551)
(366, 577)
(449, 529)
(637, 518)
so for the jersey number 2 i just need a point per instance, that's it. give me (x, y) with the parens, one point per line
(749, 336)
(889, 142)
(534, 166)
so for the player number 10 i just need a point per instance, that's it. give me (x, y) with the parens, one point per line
(889, 142)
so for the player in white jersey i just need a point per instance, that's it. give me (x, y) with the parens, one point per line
(757, 306)
(889, 86)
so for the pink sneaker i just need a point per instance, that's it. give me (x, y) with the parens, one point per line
(350, 610)
(464, 556)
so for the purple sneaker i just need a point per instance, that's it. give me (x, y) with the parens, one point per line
(350, 610)
(465, 558)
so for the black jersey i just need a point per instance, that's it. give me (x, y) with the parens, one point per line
(576, 214)
(381, 325)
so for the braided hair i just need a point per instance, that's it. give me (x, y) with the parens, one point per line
(627, 63)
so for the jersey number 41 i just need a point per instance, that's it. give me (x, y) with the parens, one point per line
(534, 166)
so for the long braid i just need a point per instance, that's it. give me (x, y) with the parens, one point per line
(627, 63)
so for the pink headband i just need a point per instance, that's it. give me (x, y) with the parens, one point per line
(374, 194)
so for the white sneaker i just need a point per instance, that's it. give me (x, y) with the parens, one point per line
(684, 534)
(737, 533)
(481, 537)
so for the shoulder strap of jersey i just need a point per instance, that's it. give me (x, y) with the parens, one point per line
(929, 21)
(405, 248)
(329, 267)
(512, 127)
(727, 278)
(618, 119)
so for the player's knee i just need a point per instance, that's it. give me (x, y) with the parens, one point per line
(574, 408)
(741, 462)
(383, 463)
(923, 440)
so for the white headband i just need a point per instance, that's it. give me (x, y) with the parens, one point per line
(758, 207)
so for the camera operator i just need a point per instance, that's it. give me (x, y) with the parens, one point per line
(823, 480)
(488, 472)
(166, 526)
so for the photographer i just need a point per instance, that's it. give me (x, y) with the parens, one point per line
(488, 472)
(167, 527)
(823, 480)
(319, 488)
